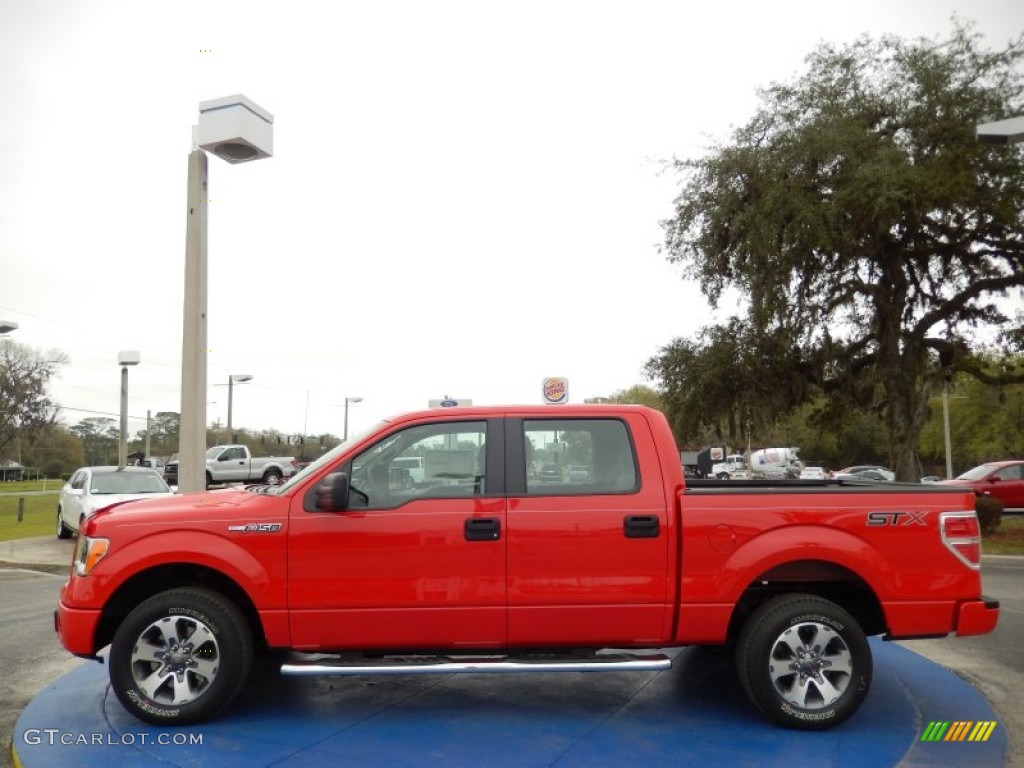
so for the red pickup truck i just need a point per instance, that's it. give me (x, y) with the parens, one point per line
(483, 563)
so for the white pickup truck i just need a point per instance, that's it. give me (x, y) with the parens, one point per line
(234, 464)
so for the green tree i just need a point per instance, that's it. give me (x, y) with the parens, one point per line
(986, 423)
(865, 227)
(727, 383)
(25, 403)
(100, 437)
(639, 394)
(164, 428)
(54, 450)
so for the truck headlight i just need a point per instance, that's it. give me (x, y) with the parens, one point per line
(88, 552)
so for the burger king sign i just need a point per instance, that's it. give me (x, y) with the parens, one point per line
(555, 390)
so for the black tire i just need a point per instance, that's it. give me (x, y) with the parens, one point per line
(209, 480)
(272, 477)
(63, 532)
(203, 675)
(804, 662)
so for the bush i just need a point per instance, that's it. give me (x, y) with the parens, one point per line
(990, 513)
(54, 468)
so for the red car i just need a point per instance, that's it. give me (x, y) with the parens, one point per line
(1003, 480)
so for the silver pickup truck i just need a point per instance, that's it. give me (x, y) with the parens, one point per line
(234, 464)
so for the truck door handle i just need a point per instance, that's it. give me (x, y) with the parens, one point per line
(641, 526)
(482, 528)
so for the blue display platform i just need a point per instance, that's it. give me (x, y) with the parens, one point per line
(694, 714)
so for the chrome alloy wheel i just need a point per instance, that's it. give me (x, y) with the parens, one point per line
(175, 660)
(810, 666)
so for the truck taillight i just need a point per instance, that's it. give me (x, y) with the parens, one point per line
(962, 534)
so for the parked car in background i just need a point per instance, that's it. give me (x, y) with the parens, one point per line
(813, 472)
(235, 464)
(579, 474)
(870, 475)
(90, 489)
(866, 472)
(549, 472)
(1003, 480)
(153, 463)
(414, 465)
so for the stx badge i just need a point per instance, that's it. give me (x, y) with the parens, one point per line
(897, 518)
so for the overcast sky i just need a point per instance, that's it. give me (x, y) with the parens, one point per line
(464, 197)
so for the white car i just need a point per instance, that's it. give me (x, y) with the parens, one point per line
(866, 472)
(414, 465)
(91, 489)
(813, 473)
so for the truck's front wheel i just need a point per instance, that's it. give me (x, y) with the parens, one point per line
(804, 661)
(180, 657)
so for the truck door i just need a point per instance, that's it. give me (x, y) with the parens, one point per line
(1010, 486)
(232, 465)
(415, 561)
(587, 548)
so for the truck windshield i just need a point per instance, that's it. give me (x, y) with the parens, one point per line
(977, 473)
(211, 453)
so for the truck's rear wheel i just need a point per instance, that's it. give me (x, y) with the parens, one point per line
(180, 657)
(804, 661)
(272, 476)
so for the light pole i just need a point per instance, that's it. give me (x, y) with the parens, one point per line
(236, 130)
(6, 326)
(241, 378)
(124, 359)
(1008, 131)
(347, 401)
(945, 425)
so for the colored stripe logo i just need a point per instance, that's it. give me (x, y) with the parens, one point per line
(958, 730)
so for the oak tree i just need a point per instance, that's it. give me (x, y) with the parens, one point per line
(25, 403)
(864, 225)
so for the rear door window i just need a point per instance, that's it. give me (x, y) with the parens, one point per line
(578, 457)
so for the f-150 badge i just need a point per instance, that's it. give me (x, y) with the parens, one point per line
(256, 528)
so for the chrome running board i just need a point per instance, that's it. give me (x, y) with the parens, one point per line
(446, 665)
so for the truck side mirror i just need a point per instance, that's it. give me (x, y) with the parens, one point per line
(332, 492)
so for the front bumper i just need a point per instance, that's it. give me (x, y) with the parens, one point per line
(76, 629)
(977, 617)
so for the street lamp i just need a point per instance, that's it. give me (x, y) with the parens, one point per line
(945, 424)
(235, 130)
(6, 326)
(124, 359)
(347, 401)
(241, 378)
(999, 132)
(1009, 131)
